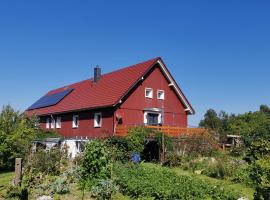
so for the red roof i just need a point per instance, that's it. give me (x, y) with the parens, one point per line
(105, 93)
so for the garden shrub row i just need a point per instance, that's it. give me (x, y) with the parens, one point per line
(146, 180)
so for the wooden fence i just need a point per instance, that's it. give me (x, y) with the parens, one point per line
(175, 132)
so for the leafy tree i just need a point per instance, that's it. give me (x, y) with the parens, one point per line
(211, 120)
(265, 109)
(16, 135)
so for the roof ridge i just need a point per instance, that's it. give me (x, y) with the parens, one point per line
(120, 69)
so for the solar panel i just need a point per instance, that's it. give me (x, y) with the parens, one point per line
(49, 100)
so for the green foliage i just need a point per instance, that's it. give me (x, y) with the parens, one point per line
(16, 135)
(118, 148)
(103, 190)
(136, 139)
(121, 148)
(60, 185)
(155, 182)
(42, 135)
(95, 165)
(16, 192)
(48, 163)
(258, 156)
(242, 175)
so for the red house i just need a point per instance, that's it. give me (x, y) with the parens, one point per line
(141, 94)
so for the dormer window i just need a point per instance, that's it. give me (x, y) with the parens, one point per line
(75, 121)
(149, 93)
(160, 94)
(97, 120)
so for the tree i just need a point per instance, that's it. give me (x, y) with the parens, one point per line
(16, 135)
(211, 120)
(265, 109)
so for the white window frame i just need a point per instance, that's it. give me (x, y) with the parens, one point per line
(48, 122)
(73, 121)
(162, 98)
(52, 123)
(96, 125)
(151, 94)
(160, 118)
(58, 122)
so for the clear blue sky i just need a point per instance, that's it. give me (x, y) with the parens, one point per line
(218, 51)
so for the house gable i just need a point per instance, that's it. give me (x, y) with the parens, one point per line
(135, 103)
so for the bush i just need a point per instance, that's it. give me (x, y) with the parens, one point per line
(103, 190)
(95, 164)
(46, 162)
(16, 192)
(149, 181)
(242, 175)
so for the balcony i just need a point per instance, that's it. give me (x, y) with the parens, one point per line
(171, 131)
(175, 132)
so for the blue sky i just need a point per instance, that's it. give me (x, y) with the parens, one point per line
(218, 51)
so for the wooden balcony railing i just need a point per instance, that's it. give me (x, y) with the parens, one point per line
(168, 130)
(175, 132)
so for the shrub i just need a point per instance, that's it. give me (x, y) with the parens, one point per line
(242, 175)
(60, 186)
(136, 139)
(155, 182)
(103, 190)
(46, 162)
(95, 164)
(16, 192)
(118, 148)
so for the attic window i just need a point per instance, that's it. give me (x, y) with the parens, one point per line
(160, 94)
(75, 121)
(97, 120)
(149, 93)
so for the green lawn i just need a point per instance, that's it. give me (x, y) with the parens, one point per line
(5, 180)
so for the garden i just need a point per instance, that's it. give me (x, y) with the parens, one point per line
(121, 168)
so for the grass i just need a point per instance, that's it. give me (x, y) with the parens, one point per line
(5, 180)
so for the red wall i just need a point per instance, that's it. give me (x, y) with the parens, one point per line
(86, 124)
(132, 108)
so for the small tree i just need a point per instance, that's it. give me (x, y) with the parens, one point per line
(17, 133)
(95, 165)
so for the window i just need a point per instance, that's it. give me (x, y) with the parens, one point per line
(75, 122)
(48, 122)
(153, 118)
(97, 120)
(58, 122)
(52, 122)
(148, 92)
(160, 94)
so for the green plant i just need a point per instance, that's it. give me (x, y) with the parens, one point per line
(16, 192)
(95, 165)
(136, 139)
(17, 133)
(60, 186)
(155, 182)
(46, 162)
(103, 190)
(258, 156)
